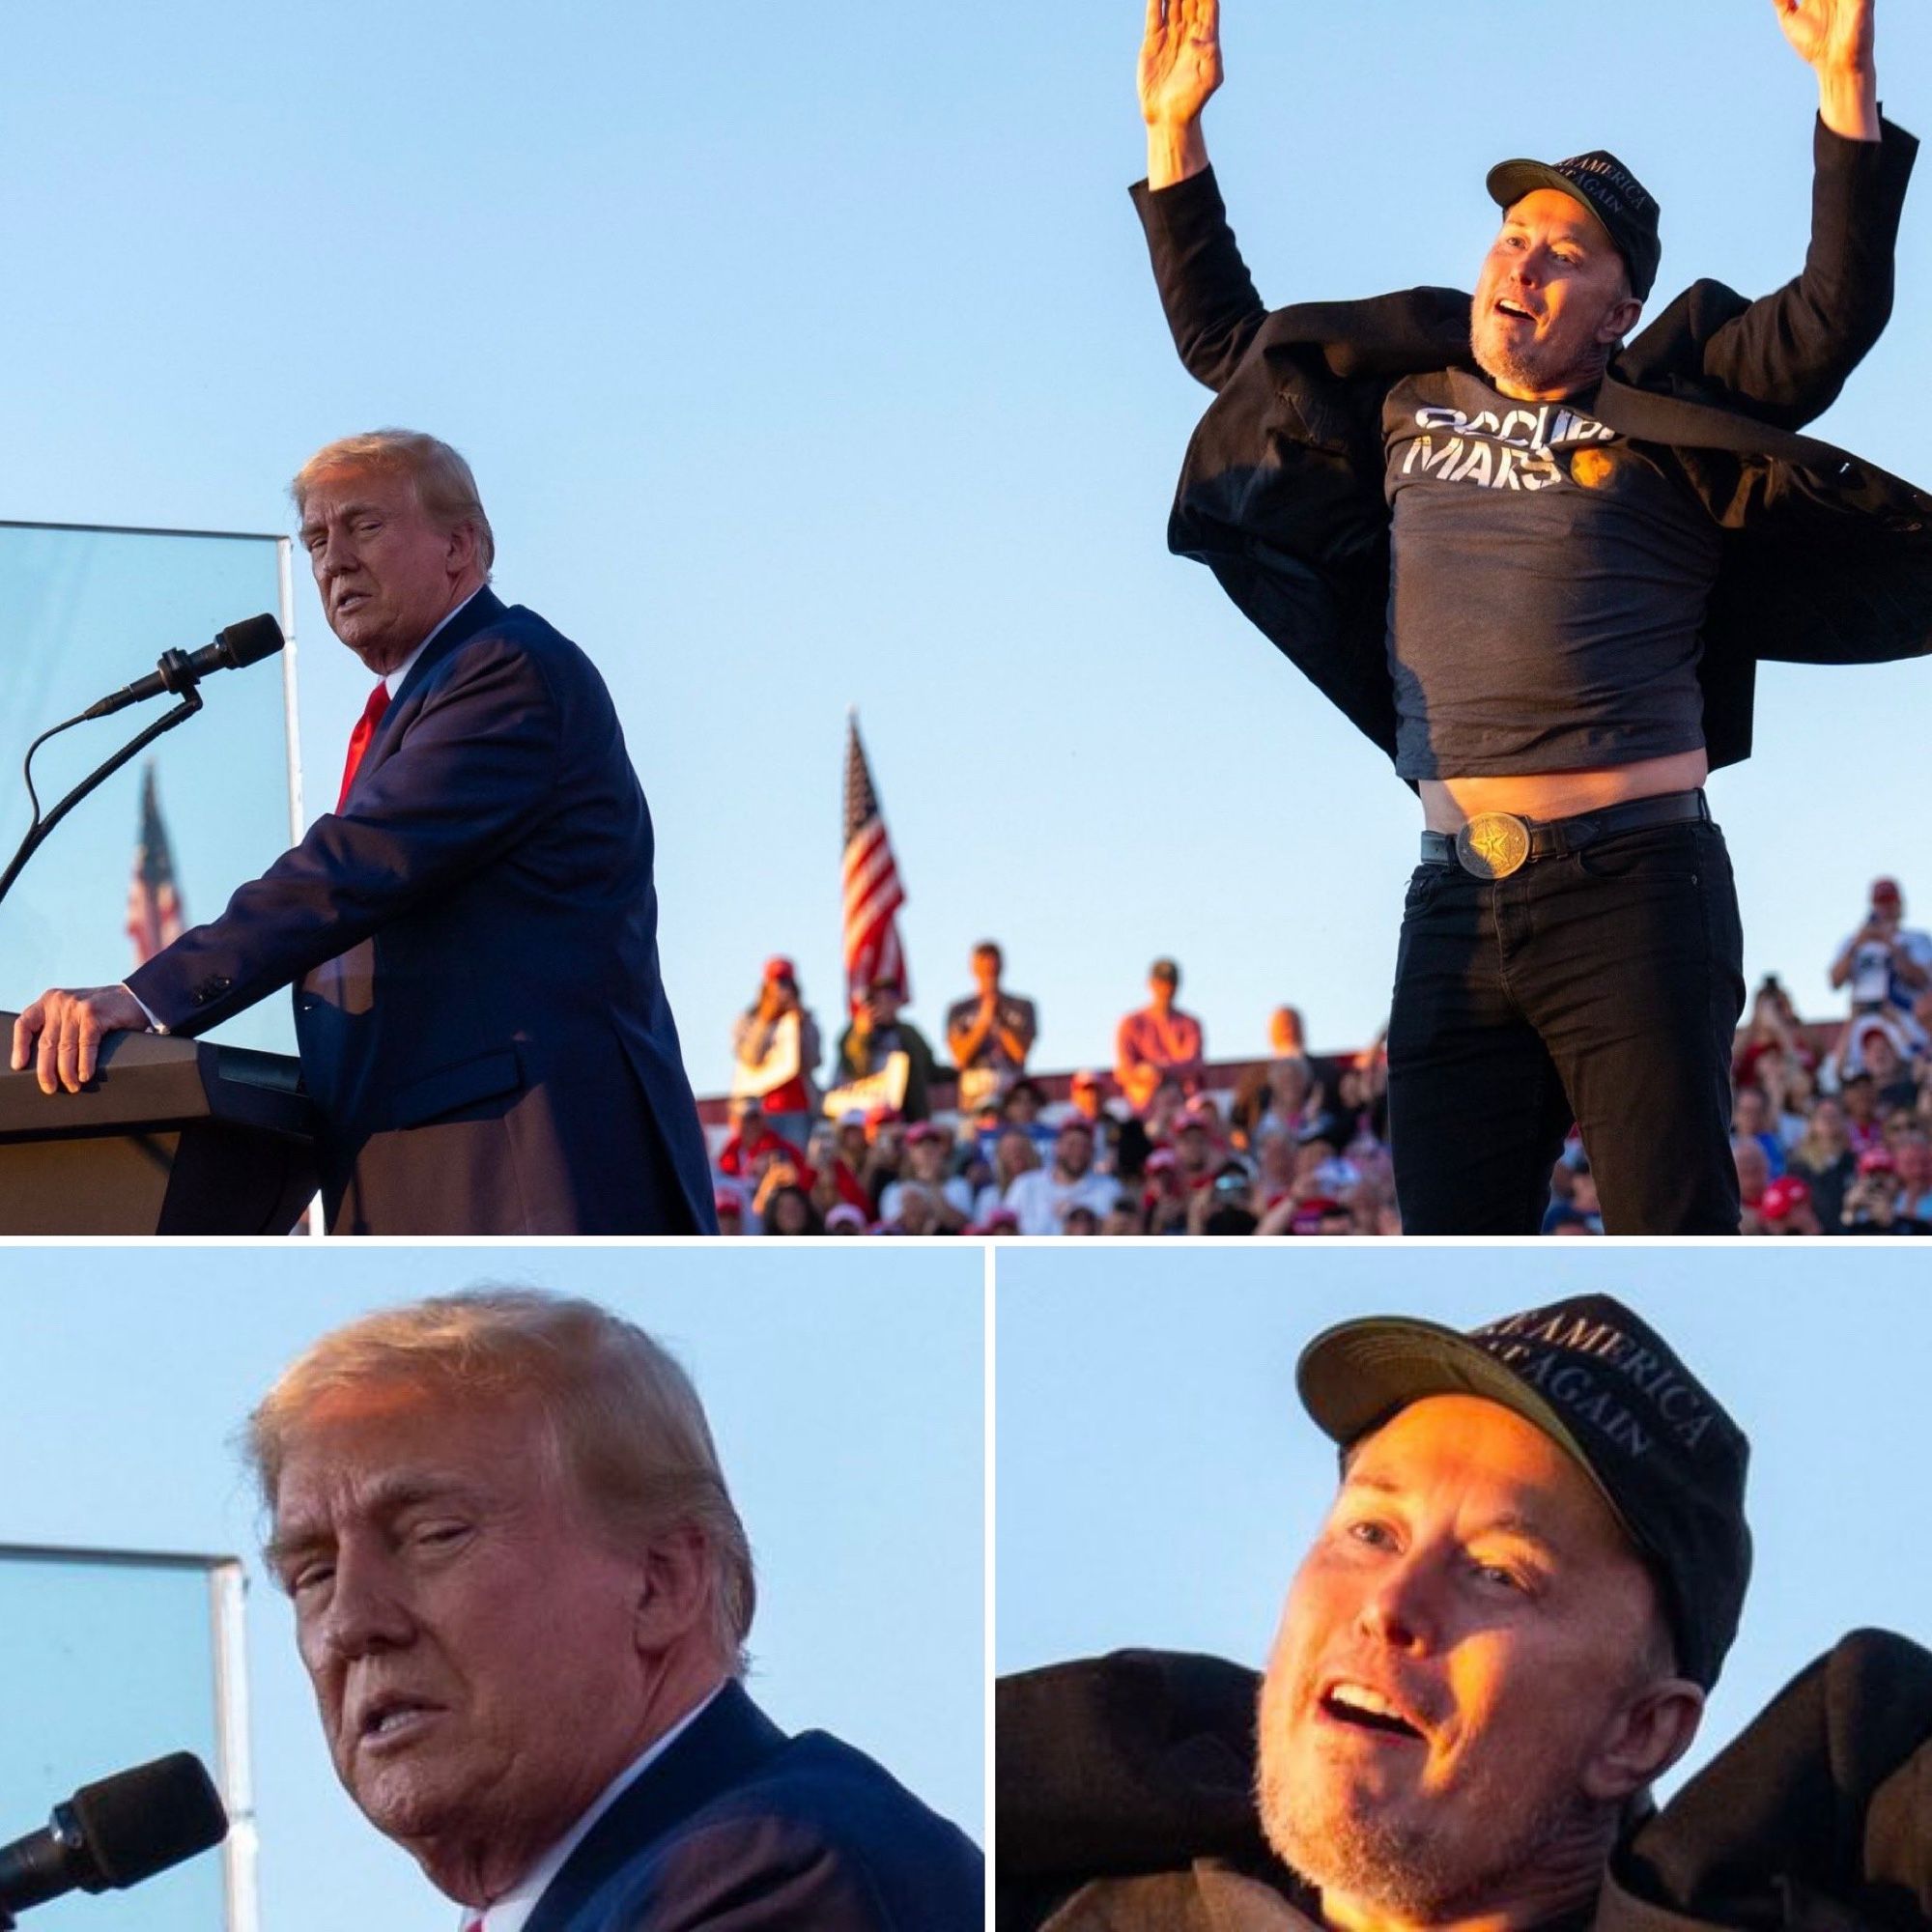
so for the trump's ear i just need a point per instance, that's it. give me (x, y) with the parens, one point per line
(1651, 1732)
(462, 548)
(674, 1587)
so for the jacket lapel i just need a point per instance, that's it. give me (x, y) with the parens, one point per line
(481, 612)
(1683, 422)
(478, 615)
(722, 1748)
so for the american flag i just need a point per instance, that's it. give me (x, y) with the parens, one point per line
(873, 895)
(153, 905)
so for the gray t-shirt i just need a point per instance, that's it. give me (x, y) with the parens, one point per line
(1548, 586)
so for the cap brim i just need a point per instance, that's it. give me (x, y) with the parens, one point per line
(1355, 1377)
(1508, 182)
(1512, 181)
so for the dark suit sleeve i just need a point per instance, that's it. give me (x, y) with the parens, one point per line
(474, 767)
(1210, 297)
(1784, 357)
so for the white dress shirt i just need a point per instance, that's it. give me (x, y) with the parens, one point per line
(395, 678)
(512, 1911)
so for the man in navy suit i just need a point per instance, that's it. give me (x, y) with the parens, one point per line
(522, 1595)
(473, 933)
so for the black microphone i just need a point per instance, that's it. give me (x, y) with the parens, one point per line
(116, 1832)
(245, 643)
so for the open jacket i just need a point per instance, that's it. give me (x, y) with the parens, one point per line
(1826, 559)
(1125, 1782)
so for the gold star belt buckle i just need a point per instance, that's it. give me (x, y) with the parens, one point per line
(1492, 844)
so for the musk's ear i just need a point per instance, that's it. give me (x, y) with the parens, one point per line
(674, 1587)
(1619, 321)
(1649, 1733)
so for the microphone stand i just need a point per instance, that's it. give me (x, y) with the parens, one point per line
(179, 677)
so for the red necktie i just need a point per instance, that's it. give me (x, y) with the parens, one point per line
(358, 739)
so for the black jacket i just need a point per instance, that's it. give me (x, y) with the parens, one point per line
(1139, 1767)
(1826, 559)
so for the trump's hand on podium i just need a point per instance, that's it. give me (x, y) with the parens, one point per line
(68, 1024)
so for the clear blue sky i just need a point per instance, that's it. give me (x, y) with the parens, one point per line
(809, 358)
(845, 1389)
(1158, 1479)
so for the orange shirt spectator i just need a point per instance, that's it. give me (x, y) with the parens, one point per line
(1159, 1041)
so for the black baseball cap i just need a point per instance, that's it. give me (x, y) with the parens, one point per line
(1626, 208)
(1607, 1390)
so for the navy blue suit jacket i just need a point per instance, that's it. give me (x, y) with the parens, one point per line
(739, 1825)
(473, 944)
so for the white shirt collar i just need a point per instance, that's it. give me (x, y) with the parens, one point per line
(395, 678)
(512, 1911)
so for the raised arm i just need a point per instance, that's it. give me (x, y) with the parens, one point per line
(1205, 287)
(1834, 39)
(1784, 357)
(965, 1037)
(1841, 966)
(1181, 70)
(1016, 1039)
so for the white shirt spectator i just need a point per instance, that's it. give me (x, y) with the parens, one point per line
(1873, 983)
(956, 1192)
(1040, 1199)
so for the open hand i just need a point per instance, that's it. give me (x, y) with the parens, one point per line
(68, 1024)
(1181, 59)
(1835, 34)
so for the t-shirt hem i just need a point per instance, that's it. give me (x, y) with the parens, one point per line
(1524, 765)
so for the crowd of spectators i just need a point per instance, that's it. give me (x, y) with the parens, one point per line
(1831, 1129)
(1835, 1136)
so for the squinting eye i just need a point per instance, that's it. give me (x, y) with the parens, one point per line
(1495, 1572)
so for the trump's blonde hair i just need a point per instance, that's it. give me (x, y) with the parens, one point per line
(445, 486)
(624, 1425)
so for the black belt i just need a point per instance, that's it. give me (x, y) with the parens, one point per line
(1493, 844)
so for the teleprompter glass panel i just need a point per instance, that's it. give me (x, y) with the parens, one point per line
(113, 1660)
(82, 613)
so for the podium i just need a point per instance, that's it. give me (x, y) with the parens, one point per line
(170, 1137)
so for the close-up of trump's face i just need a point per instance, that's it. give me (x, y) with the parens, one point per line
(470, 1630)
(1471, 1676)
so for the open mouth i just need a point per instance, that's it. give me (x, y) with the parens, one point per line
(392, 1718)
(1356, 1705)
(1515, 310)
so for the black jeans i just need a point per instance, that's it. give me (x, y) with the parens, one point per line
(1604, 987)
